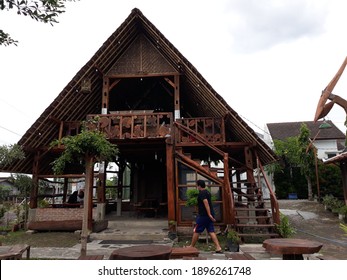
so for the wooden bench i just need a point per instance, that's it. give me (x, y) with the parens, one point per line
(14, 252)
(148, 205)
(291, 248)
(91, 257)
(239, 256)
(185, 252)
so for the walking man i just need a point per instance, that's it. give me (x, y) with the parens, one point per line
(205, 218)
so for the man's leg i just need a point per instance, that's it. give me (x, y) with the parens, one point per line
(215, 241)
(194, 239)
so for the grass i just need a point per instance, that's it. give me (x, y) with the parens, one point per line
(41, 239)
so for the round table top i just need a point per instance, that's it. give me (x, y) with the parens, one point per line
(291, 246)
(143, 252)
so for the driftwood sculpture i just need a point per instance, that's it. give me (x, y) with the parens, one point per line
(324, 106)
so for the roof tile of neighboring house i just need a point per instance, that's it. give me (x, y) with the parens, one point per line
(281, 131)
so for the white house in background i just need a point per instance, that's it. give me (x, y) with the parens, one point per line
(328, 141)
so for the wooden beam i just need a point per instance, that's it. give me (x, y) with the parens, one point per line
(105, 93)
(35, 187)
(177, 97)
(170, 182)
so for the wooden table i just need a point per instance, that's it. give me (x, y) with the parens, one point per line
(144, 252)
(14, 252)
(291, 248)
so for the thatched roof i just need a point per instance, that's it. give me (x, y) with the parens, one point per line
(198, 98)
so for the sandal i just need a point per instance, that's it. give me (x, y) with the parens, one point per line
(219, 251)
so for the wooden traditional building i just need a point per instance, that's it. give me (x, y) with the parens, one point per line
(169, 125)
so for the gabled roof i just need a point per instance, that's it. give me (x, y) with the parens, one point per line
(72, 105)
(281, 131)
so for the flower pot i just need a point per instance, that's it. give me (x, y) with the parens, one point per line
(233, 247)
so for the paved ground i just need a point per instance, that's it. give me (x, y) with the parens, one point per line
(309, 219)
(312, 221)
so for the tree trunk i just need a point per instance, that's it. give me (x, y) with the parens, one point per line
(86, 206)
(309, 188)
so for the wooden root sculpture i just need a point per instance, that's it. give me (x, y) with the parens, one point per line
(324, 107)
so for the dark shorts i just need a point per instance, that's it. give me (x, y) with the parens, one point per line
(202, 223)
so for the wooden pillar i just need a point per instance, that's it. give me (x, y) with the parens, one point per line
(228, 198)
(35, 188)
(101, 187)
(87, 205)
(66, 183)
(170, 182)
(105, 95)
(177, 96)
(249, 165)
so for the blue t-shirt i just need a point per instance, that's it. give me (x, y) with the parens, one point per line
(204, 194)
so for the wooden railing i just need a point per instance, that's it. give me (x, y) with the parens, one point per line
(201, 138)
(211, 129)
(132, 125)
(274, 202)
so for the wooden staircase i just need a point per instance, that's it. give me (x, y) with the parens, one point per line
(246, 210)
(253, 218)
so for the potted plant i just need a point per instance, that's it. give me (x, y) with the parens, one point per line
(192, 197)
(343, 212)
(233, 241)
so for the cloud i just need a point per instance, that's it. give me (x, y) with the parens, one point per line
(257, 25)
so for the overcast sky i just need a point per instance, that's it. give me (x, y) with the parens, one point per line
(269, 59)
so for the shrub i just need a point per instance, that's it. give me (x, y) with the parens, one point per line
(285, 229)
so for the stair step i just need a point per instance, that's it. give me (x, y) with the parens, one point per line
(259, 234)
(253, 217)
(256, 225)
(250, 209)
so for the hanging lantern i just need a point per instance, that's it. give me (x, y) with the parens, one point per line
(86, 86)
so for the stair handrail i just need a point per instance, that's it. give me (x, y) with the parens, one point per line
(231, 212)
(200, 139)
(273, 199)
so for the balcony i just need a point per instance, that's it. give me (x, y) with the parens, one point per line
(132, 124)
(210, 129)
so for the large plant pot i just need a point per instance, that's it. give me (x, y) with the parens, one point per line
(233, 247)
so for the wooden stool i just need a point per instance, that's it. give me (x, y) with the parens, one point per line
(91, 257)
(178, 253)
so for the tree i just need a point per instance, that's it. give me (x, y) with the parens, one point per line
(91, 146)
(24, 184)
(296, 155)
(306, 157)
(9, 153)
(45, 11)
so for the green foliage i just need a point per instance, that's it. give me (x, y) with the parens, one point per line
(2, 211)
(330, 179)
(343, 210)
(192, 197)
(233, 236)
(344, 228)
(23, 182)
(285, 229)
(89, 143)
(332, 203)
(9, 153)
(297, 173)
(328, 200)
(4, 192)
(42, 203)
(46, 11)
